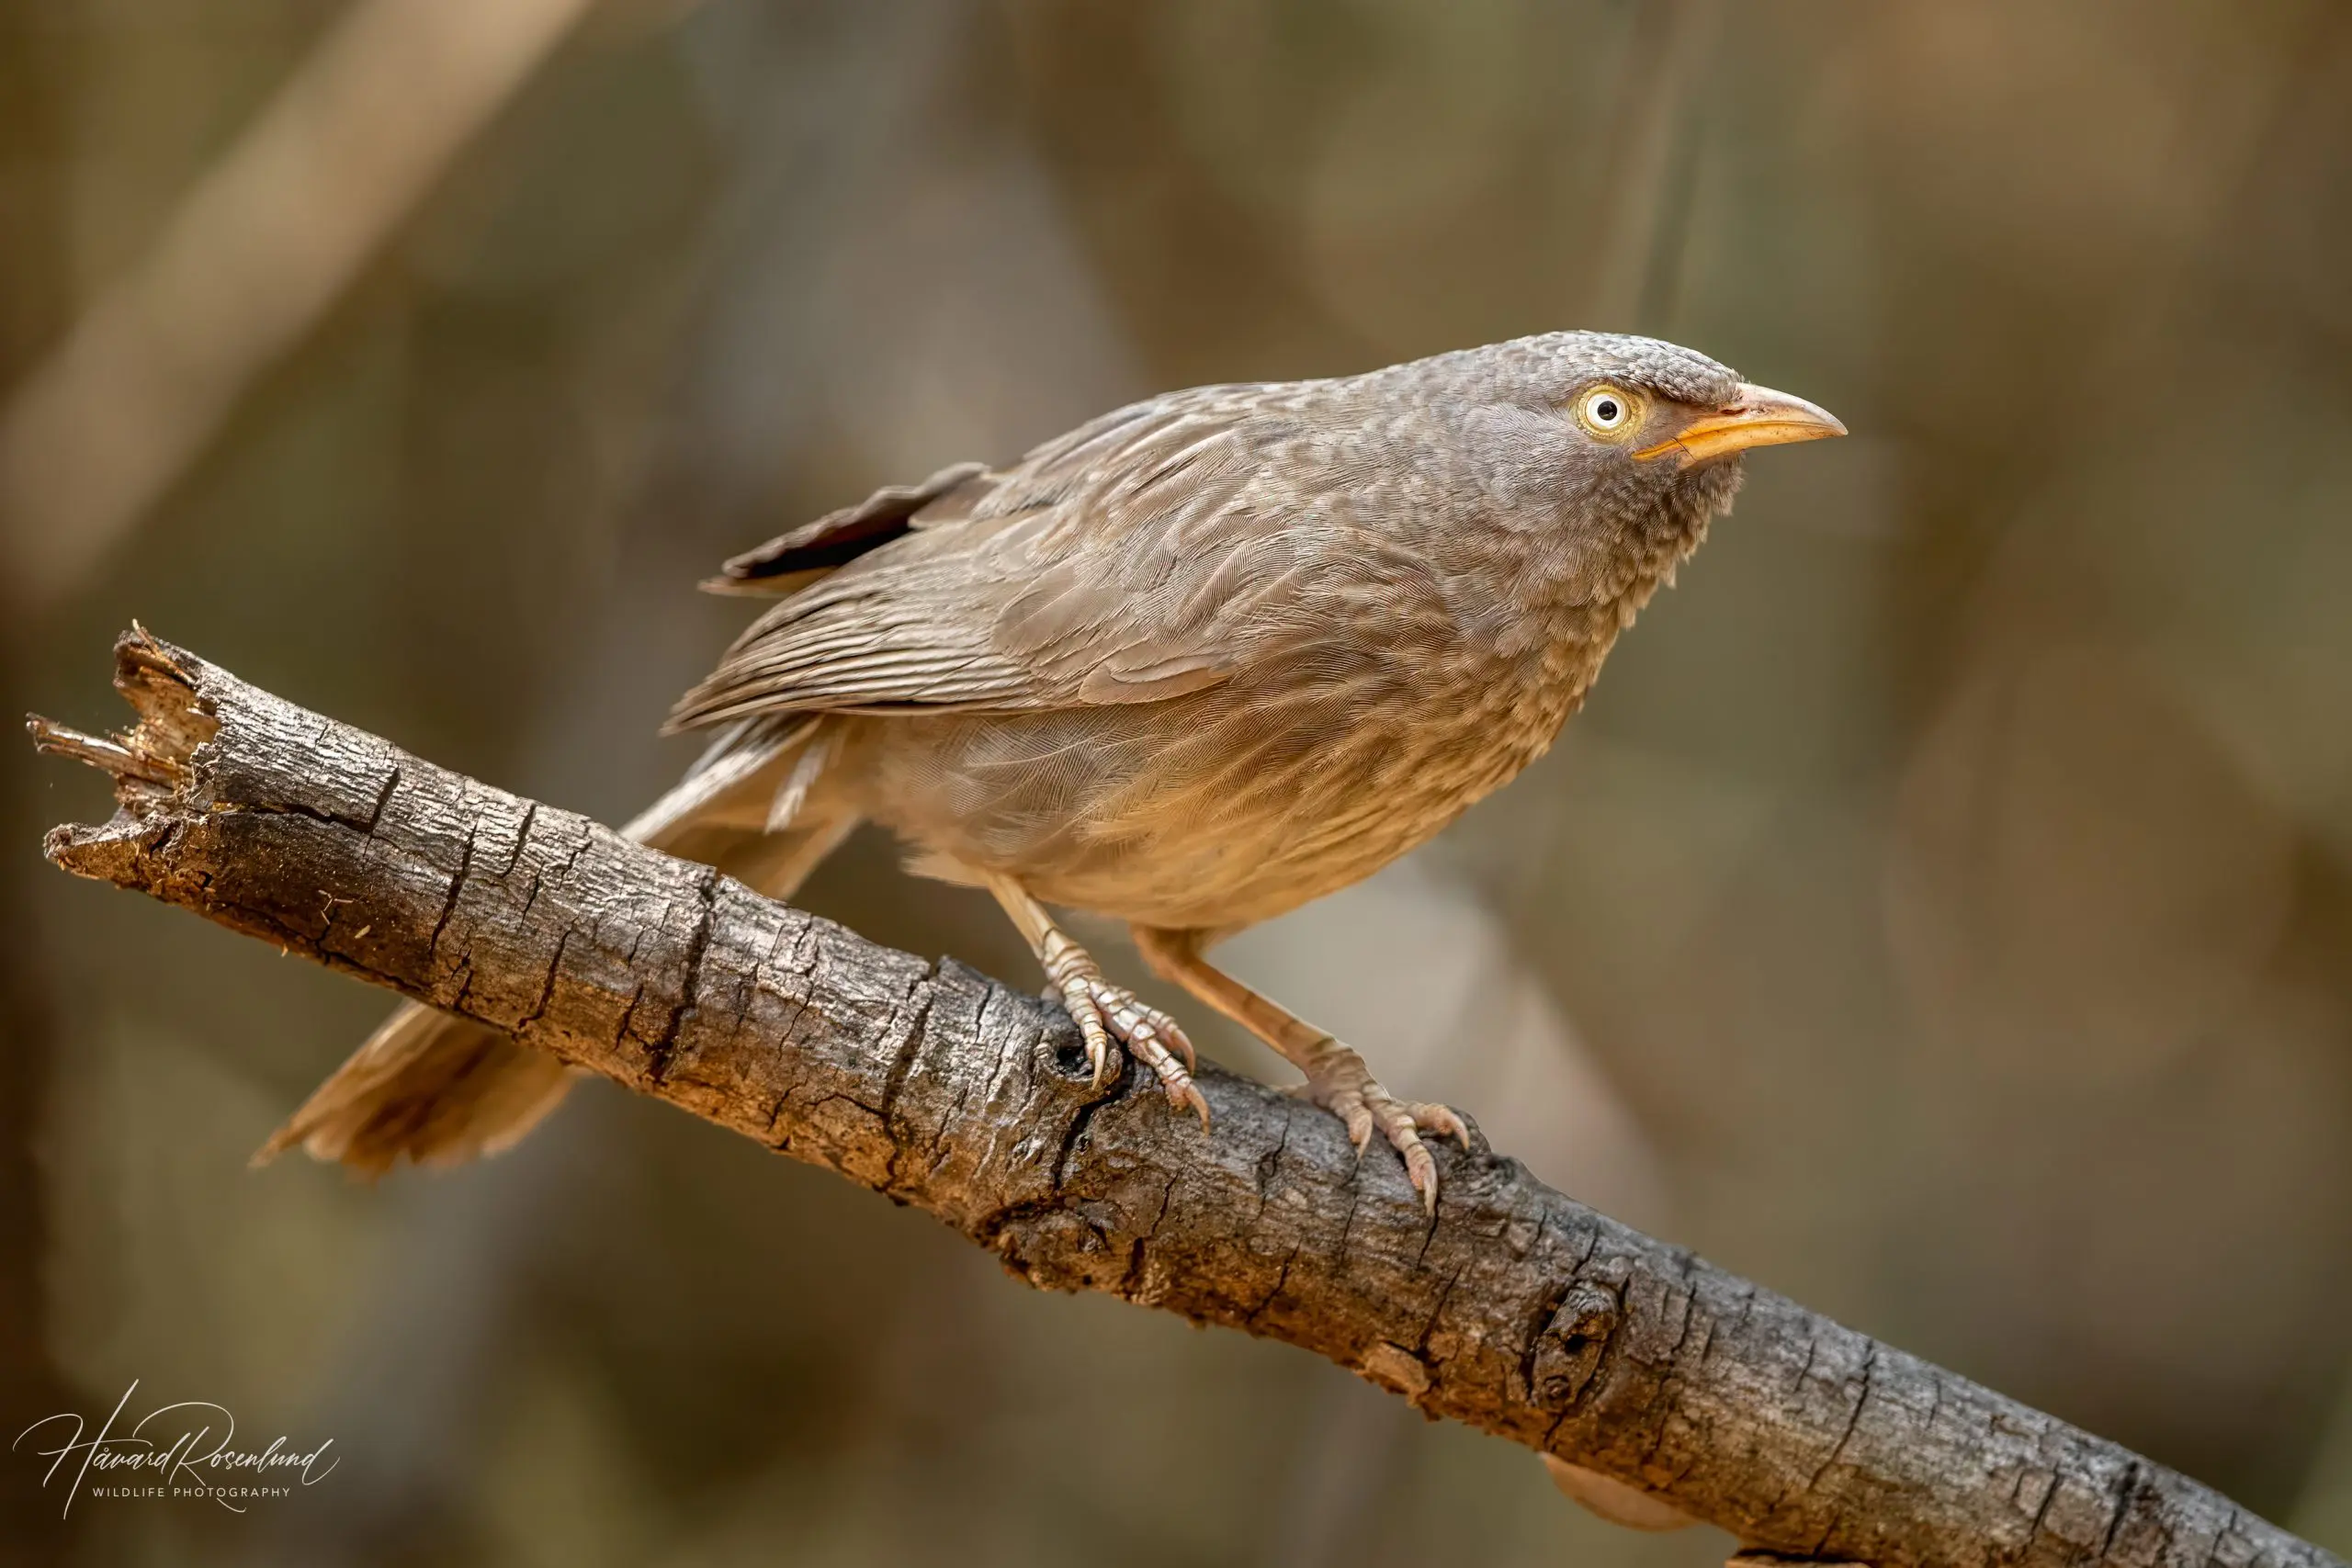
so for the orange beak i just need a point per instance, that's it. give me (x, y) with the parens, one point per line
(1757, 416)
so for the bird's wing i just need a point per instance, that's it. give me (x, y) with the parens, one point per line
(791, 562)
(1159, 550)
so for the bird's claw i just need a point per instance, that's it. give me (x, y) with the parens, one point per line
(1342, 1085)
(1104, 1012)
(1077, 994)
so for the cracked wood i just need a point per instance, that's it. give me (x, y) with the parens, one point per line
(1516, 1310)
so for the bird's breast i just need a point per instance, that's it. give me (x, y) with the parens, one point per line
(1228, 806)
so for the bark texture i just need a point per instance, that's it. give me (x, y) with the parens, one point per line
(1516, 1310)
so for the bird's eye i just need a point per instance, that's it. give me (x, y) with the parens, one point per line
(1605, 411)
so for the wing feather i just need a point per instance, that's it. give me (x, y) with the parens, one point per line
(1161, 550)
(792, 560)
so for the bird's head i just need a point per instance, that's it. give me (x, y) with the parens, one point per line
(1617, 449)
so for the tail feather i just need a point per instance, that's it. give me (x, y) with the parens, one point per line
(427, 1086)
(438, 1090)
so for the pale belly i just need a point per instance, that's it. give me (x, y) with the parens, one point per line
(1205, 812)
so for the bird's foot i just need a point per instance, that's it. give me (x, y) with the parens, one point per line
(1342, 1084)
(1103, 1012)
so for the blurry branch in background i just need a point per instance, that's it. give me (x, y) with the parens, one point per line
(268, 238)
(1657, 122)
(1516, 1310)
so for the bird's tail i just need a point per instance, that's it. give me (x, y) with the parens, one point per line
(427, 1086)
(438, 1090)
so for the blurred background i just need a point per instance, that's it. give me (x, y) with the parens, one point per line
(1939, 914)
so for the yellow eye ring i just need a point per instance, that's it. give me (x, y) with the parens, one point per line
(1606, 413)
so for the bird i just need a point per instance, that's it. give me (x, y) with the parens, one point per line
(1194, 663)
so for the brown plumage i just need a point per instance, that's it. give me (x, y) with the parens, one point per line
(1190, 665)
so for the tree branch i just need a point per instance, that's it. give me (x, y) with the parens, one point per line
(1517, 1310)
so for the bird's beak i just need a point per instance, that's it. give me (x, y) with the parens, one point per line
(1757, 416)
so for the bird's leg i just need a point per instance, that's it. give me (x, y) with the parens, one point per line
(1101, 1009)
(1336, 1078)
